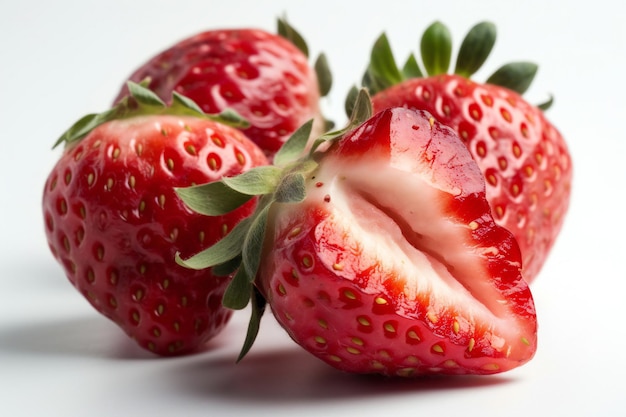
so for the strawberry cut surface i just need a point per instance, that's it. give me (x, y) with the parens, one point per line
(393, 263)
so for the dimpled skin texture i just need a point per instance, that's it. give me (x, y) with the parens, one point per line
(523, 157)
(262, 76)
(114, 222)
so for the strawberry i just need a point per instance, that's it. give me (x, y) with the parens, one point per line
(379, 253)
(263, 76)
(523, 157)
(114, 221)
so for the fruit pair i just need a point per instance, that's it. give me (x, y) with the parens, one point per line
(113, 219)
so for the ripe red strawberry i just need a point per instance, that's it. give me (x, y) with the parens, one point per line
(523, 157)
(114, 221)
(264, 77)
(382, 256)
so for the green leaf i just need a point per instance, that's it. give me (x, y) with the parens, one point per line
(212, 199)
(516, 76)
(231, 118)
(258, 308)
(144, 96)
(186, 103)
(324, 75)
(362, 108)
(227, 268)
(475, 48)
(291, 189)
(546, 104)
(383, 68)
(223, 251)
(238, 292)
(256, 181)
(253, 243)
(291, 34)
(436, 49)
(411, 68)
(351, 100)
(295, 145)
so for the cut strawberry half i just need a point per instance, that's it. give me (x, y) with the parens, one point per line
(384, 257)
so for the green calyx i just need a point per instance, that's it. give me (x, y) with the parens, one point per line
(436, 57)
(142, 101)
(240, 251)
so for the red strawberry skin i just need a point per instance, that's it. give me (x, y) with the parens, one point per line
(524, 158)
(115, 223)
(262, 76)
(393, 263)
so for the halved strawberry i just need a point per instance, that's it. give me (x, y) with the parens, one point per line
(381, 255)
(114, 221)
(265, 77)
(523, 157)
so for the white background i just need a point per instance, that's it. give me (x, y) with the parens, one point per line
(61, 59)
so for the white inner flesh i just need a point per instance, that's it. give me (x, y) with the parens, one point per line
(397, 218)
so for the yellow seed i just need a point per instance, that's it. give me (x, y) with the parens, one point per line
(412, 334)
(384, 354)
(295, 231)
(170, 164)
(334, 358)
(132, 181)
(437, 348)
(357, 341)
(338, 267)
(363, 321)
(389, 327)
(380, 301)
(431, 121)
(525, 341)
(456, 327)
(473, 225)
(90, 178)
(349, 295)
(116, 153)
(322, 323)
(450, 364)
(432, 317)
(470, 347)
(490, 367)
(320, 340)
(160, 309)
(162, 200)
(353, 350)
(281, 289)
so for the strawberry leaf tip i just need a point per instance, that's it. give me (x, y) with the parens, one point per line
(142, 101)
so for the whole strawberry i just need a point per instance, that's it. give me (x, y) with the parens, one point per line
(381, 255)
(114, 221)
(523, 157)
(265, 77)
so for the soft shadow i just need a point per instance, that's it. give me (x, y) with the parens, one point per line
(293, 375)
(76, 337)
